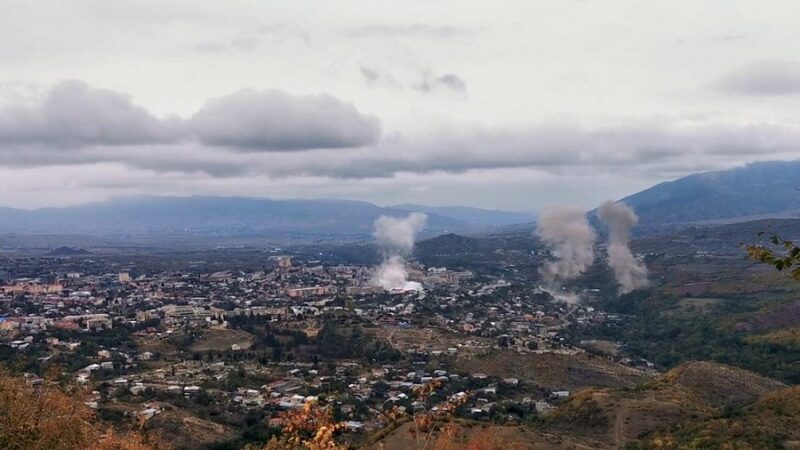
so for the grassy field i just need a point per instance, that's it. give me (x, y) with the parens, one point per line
(222, 339)
(690, 393)
(403, 438)
(553, 371)
(789, 337)
(432, 339)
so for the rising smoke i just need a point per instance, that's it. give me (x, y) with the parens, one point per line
(567, 232)
(395, 238)
(631, 273)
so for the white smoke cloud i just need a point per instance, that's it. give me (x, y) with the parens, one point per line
(566, 231)
(396, 241)
(392, 275)
(631, 273)
(396, 235)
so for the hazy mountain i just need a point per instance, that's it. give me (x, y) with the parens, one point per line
(211, 216)
(758, 190)
(472, 215)
(755, 191)
(68, 251)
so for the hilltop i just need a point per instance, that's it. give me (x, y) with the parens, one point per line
(754, 191)
(68, 251)
(689, 394)
(771, 422)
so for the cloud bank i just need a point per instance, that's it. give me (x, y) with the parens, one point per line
(271, 135)
(73, 114)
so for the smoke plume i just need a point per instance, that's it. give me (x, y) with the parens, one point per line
(567, 232)
(395, 238)
(631, 273)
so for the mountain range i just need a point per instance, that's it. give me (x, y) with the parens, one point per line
(494, 218)
(755, 191)
(214, 217)
(752, 192)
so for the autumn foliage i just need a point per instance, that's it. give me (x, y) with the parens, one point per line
(309, 428)
(45, 417)
(783, 254)
(451, 438)
(312, 428)
(48, 417)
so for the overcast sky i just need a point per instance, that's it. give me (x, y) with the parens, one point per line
(508, 105)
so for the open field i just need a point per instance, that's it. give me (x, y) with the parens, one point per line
(554, 371)
(403, 438)
(789, 337)
(222, 339)
(601, 346)
(184, 430)
(432, 339)
(218, 339)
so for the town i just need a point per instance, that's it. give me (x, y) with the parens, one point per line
(236, 347)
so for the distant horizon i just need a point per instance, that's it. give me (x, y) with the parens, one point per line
(252, 197)
(533, 211)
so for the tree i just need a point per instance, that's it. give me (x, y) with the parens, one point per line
(309, 428)
(784, 254)
(46, 417)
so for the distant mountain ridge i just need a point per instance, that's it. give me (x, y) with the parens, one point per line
(68, 251)
(757, 190)
(495, 218)
(213, 216)
(761, 190)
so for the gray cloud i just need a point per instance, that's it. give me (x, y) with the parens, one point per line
(281, 31)
(247, 43)
(274, 120)
(763, 78)
(448, 81)
(375, 77)
(211, 47)
(410, 30)
(426, 83)
(642, 149)
(453, 82)
(74, 114)
(370, 75)
(250, 133)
